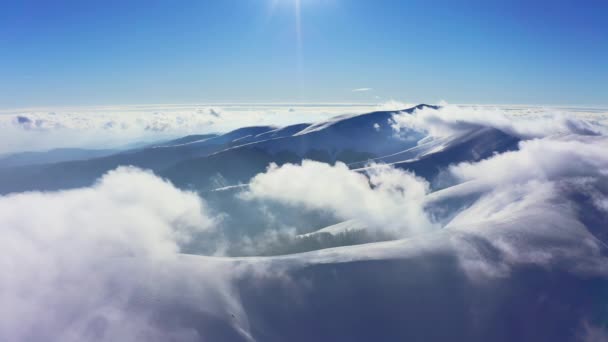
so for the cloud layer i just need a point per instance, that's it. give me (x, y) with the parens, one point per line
(107, 127)
(544, 203)
(104, 127)
(386, 199)
(524, 122)
(101, 263)
(104, 262)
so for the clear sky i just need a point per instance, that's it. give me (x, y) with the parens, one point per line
(130, 52)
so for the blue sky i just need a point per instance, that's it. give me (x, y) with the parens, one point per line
(133, 52)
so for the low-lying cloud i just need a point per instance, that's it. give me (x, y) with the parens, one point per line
(542, 159)
(524, 123)
(530, 206)
(386, 199)
(541, 204)
(39, 129)
(110, 127)
(102, 263)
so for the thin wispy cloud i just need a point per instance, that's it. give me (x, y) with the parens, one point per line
(361, 90)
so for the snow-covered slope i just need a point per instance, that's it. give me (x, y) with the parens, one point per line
(431, 156)
(370, 134)
(342, 227)
(53, 156)
(516, 249)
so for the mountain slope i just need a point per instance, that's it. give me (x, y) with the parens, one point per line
(53, 156)
(346, 138)
(429, 158)
(203, 162)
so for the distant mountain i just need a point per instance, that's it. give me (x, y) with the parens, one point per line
(370, 134)
(349, 139)
(205, 162)
(189, 139)
(516, 256)
(156, 157)
(428, 158)
(52, 156)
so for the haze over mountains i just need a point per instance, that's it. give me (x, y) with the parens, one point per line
(426, 223)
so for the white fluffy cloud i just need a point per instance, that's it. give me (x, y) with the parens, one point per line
(102, 263)
(543, 159)
(522, 122)
(532, 206)
(524, 205)
(386, 199)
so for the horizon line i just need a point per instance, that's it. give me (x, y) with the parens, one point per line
(294, 104)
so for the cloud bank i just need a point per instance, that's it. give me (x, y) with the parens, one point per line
(524, 123)
(386, 199)
(102, 263)
(39, 129)
(109, 127)
(543, 204)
